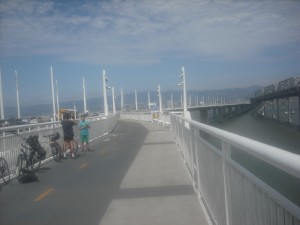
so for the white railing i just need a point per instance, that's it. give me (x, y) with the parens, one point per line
(233, 194)
(161, 118)
(10, 142)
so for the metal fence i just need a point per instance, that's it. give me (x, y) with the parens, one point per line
(232, 189)
(10, 143)
(161, 118)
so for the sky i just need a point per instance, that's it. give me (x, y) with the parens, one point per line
(142, 44)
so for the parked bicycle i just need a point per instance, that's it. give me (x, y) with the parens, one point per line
(30, 156)
(56, 150)
(4, 171)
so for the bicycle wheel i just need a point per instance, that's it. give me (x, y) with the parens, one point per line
(35, 161)
(4, 170)
(20, 165)
(75, 147)
(56, 152)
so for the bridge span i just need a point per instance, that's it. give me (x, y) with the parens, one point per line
(180, 172)
(279, 102)
(214, 112)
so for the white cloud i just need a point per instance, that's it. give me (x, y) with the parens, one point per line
(147, 31)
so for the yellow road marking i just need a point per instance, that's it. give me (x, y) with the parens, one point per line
(83, 165)
(40, 197)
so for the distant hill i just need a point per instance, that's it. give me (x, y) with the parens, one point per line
(96, 104)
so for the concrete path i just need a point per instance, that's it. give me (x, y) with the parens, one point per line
(157, 188)
(133, 176)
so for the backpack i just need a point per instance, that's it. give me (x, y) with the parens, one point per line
(27, 176)
(41, 153)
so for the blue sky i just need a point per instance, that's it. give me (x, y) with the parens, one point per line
(142, 44)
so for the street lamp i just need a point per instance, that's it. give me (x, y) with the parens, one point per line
(84, 97)
(136, 105)
(149, 101)
(104, 80)
(182, 83)
(1, 97)
(57, 100)
(17, 92)
(122, 99)
(113, 99)
(53, 94)
(159, 98)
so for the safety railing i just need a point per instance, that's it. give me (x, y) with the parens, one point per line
(10, 143)
(240, 181)
(160, 118)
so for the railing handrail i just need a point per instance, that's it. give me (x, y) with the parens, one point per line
(9, 141)
(238, 185)
(281, 159)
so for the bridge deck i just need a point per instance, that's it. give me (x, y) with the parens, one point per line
(133, 176)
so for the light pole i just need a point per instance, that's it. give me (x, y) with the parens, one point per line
(1, 97)
(104, 79)
(122, 99)
(75, 111)
(159, 98)
(84, 96)
(53, 95)
(17, 93)
(149, 100)
(113, 99)
(57, 101)
(182, 83)
(136, 105)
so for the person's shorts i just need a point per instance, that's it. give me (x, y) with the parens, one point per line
(68, 138)
(84, 138)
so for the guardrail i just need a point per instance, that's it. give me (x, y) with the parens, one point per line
(231, 188)
(10, 142)
(160, 118)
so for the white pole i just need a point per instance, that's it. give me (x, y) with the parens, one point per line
(172, 106)
(184, 93)
(57, 101)
(113, 99)
(159, 98)
(136, 105)
(84, 97)
(53, 98)
(122, 100)
(104, 79)
(149, 100)
(1, 97)
(17, 92)
(75, 114)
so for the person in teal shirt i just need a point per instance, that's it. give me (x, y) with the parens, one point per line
(84, 127)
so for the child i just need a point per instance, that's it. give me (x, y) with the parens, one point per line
(84, 133)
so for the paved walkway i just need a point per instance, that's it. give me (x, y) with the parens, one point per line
(157, 188)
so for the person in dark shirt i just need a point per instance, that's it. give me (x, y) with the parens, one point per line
(67, 126)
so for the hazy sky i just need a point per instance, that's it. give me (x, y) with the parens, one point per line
(144, 43)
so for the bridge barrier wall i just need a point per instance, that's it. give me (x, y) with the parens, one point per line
(10, 143)
(232, 193)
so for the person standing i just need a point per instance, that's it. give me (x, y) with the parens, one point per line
(67, 126)
(84, 127)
